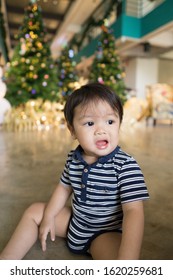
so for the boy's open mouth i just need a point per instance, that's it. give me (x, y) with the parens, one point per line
(102, 144)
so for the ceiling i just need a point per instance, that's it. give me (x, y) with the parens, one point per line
(53, 12)
(65, 18)
(62, 19)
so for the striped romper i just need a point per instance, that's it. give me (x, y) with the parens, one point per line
(99, 190)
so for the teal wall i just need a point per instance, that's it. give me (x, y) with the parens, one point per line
(139, 27)
(88, 51)
(127, 26)
(162, 15)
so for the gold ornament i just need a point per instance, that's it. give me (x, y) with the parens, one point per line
(35, 115)
(31, 67)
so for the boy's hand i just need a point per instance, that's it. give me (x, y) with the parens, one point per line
(46, 227)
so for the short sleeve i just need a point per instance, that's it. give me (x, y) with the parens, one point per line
(65, 179)
(131, 182)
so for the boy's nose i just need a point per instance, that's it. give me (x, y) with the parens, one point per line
(100, 131)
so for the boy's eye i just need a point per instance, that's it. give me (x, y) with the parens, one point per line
(110, 121)
(89, 123)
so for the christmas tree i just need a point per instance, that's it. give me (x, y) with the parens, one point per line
(31, 73)
(67, 75)
(106, 67)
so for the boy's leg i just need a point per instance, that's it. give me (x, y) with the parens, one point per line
(26, 233)
(106, 246)
(62, 221)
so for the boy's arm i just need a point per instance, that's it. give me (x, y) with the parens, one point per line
(54, 206)
(133, 227)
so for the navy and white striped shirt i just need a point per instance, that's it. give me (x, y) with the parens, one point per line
(100, 189)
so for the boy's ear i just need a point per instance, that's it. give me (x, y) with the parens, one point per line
(71, 129)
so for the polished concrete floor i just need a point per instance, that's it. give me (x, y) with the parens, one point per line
(31, 163)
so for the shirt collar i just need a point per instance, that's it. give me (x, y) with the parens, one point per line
(78, 155)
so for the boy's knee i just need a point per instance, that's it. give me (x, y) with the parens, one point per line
(35, 212)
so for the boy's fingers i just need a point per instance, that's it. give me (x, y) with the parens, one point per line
(43, 245)
(43, 242)
(52, 234)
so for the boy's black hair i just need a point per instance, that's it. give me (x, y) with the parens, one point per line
(92, 93)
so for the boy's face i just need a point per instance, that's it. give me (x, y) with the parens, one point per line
(96, 127)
